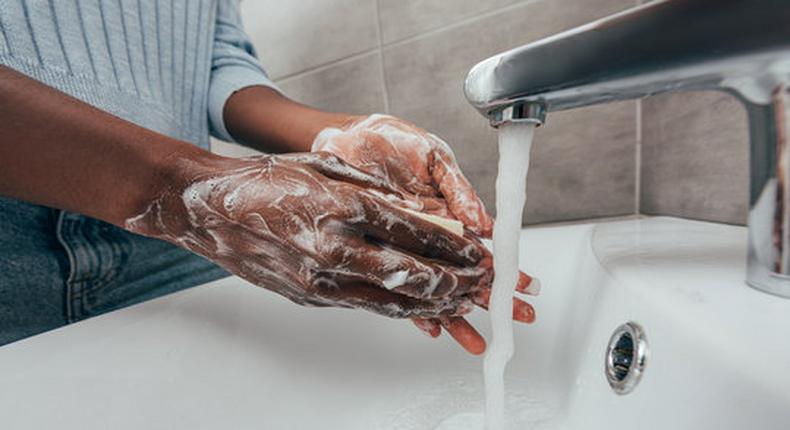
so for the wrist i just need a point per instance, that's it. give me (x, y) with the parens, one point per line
(264, 119)
(166, 173)
(307, 124)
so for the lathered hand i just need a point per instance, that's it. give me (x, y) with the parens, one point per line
(419, 162)
(424, 167)
(320, 232)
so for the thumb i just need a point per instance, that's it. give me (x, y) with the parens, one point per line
(462, 200)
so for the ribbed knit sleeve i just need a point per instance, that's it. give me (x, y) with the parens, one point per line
(234, 65)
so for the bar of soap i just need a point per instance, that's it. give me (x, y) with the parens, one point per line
(452, 225)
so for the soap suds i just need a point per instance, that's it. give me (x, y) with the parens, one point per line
(396, 279)
(289, 222)
(420, 162)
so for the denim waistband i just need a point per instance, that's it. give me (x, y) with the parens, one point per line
(59, 267)
(97, 254)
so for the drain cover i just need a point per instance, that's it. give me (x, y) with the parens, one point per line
(626, 357)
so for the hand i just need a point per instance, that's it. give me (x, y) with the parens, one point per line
(464, 333)
(413, 159)
(319, 232)
(424, 167)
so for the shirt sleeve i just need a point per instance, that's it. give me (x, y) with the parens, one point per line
(234, 65)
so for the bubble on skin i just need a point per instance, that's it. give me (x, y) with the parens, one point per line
(424, 275)
(214, 205)
(404, 139)
(432, 282)
(133, 222)
(394, 310)
(196, 198)
(229, 201)
(396, 279)
(325, 137)
(378, 123)
(469, 251)
(305, 238)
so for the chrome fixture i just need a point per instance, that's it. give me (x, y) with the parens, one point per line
(626, 357)
(741, 47)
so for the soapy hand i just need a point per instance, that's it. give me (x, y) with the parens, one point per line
(424, 169)
(319, 232)
(419, 162)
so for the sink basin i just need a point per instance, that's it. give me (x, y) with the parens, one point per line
(229, 355)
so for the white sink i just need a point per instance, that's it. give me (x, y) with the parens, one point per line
(228, 355)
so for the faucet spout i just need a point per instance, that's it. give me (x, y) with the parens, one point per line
(658, 47)
(741, 47)
(534, 112)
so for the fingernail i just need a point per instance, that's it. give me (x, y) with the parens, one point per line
(427, 332)
(524, 313)
(465, 308)
(430, 329)
(534, 287)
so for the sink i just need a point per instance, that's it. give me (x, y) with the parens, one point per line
(229, 355)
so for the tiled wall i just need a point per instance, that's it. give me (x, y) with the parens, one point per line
(409, 58)
(694, 157)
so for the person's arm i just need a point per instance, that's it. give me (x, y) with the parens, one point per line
(59, 152)
(307, 226)
(418, 162)
(261, 118)
(244, 105)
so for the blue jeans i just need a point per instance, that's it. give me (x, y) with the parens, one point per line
(58, 267)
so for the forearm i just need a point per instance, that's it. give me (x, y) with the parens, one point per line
(262, 118)
(59, 152)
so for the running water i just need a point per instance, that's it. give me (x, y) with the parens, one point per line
(515, 141)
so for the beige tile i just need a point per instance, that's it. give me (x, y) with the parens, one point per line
(401, 19)
(425, 81)
(583, 164)
(352, 86)
(695, 157)
(291, 37)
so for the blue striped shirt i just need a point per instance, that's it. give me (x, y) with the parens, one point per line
(166, 65)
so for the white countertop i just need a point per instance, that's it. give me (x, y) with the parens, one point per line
(222, 355)
(230, 355)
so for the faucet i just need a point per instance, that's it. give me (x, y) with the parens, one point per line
(741, 47)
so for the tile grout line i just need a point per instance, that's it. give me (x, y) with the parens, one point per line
(381, 45)
(384, 90)
(325, 66)
(638, 160)
(638, 151)
(459, 23)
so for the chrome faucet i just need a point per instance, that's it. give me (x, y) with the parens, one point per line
(741, 47)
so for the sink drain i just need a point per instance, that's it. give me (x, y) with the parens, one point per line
(626, 357)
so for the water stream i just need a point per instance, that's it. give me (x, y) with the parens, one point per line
(515, 142)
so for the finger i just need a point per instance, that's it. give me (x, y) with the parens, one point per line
(461, 197)
(358, 292)
(338, 169)
(405, 273)
(522, 311)
(528, 284)
(399, 166)
(389, 224)
(464, 334)
(435, 206)
(431, 327)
